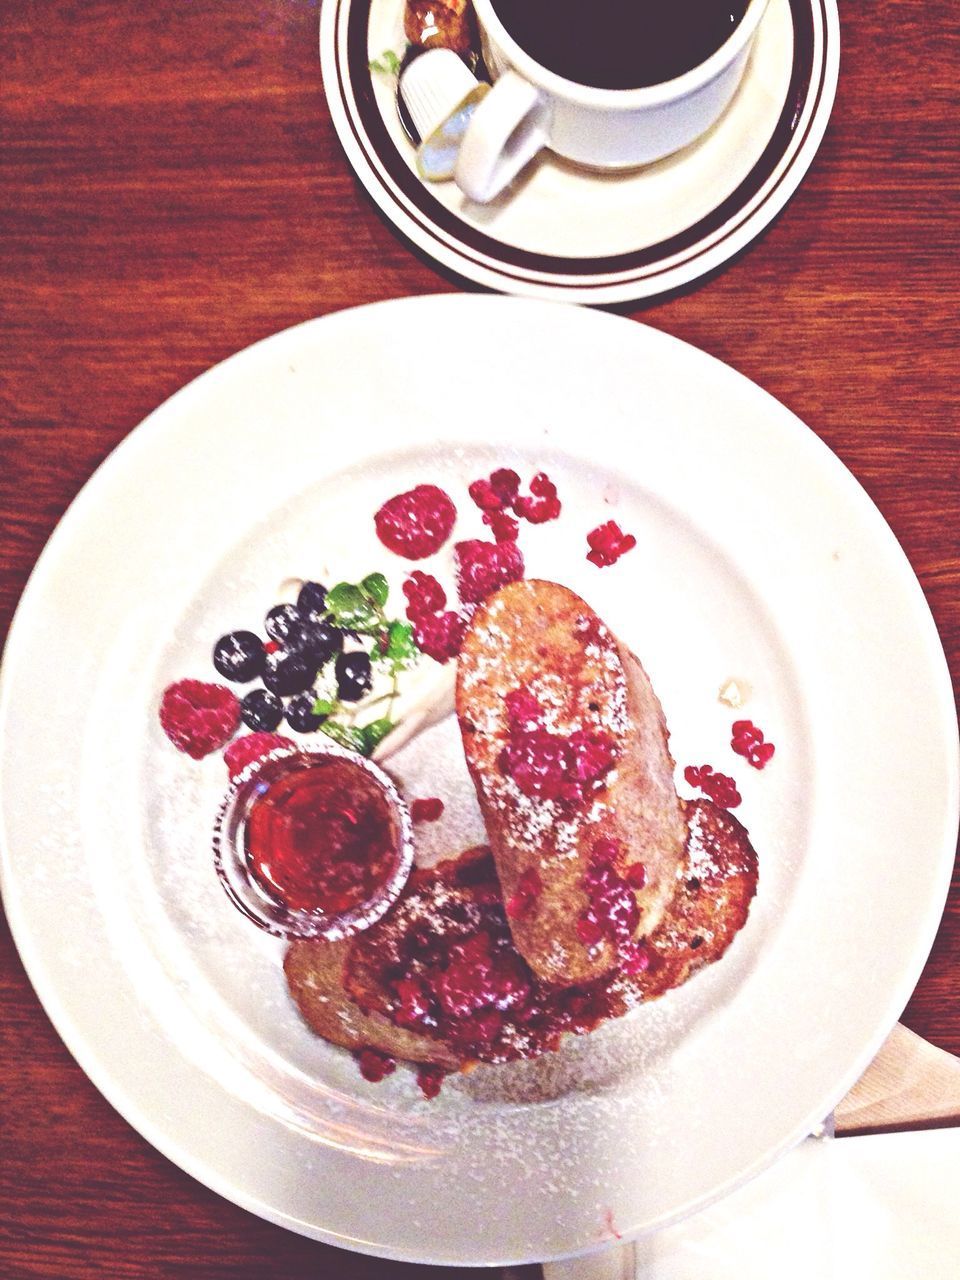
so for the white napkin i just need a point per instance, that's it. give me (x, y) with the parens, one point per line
(872, 1208)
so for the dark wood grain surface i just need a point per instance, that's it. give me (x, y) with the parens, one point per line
(172, 190)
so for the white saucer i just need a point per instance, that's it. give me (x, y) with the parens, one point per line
(571, 235)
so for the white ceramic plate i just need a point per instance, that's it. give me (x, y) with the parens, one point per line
(570, 235)
(758, 557)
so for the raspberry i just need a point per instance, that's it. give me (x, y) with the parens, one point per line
(588, 929)
(483, 567)
(426, 810)
(608, 543)
(721, 789)
(605, 851)
(523, 710)
(529, 888)
(424, 595)
(593, 755)
(634, 958)
(439, 635)
(197, 717)
(503, 527)
(430, 1079)
(539, 763)
(374, 1065)
(543, 503)
(252, 746)
(417, 523)
(748, 741)
(636, 875)
(506, 485)
(485, 496)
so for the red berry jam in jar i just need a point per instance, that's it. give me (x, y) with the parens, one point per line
(313, 842)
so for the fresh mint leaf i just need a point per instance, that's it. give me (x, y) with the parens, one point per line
(374, 733)
(351, 608)
(346, 735)
(323, 707)
(376, 586)
(401, 646)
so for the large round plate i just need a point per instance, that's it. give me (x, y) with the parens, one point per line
(758, 557)
(571, 235)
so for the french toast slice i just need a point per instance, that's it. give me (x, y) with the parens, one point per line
(438, 979)
(539, 672)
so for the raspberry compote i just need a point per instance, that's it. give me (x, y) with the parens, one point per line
(313, 842)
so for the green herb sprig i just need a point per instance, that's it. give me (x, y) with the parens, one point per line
(361, 608)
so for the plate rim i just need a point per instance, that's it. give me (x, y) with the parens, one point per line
(142, 437)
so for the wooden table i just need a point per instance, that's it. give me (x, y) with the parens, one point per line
(173, 190)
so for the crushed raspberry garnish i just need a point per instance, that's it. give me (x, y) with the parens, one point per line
(374, 1065)
(748, 741)
(539, 762)
(198, 717)
(529, 887)
(634, 958)
(252, 746)
(593, 755)
(636, 875)
(430, 1079)
(424, 595)
(503, 527)
(417, 523)
(428, 810)
(485, 496)
(608, 543)
(440, 635)
(718, 787)
(506, 485)
(589, 930)
(605, 851)
(542, 504)
(523, 710)
(484, 567)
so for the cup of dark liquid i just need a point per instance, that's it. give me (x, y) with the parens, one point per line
(608, 84)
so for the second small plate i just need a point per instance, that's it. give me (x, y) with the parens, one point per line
(577, 236)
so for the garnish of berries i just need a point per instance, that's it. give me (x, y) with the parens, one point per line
(608, 543)
(199, 717)
(424, 595)
(417, 523)
(718, 787)
(430, 1079)
(426, 810)
(521, 902)
(542, 504)
(252, 746)
(748, 741)
(374, 1065)
(484, 567)
(440, 635)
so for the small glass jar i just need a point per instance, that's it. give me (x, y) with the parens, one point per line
(313, 842)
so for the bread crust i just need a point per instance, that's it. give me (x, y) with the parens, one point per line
(543, 638)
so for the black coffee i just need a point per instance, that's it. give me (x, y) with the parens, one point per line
(620, 44)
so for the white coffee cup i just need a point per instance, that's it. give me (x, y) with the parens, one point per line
(531, 108)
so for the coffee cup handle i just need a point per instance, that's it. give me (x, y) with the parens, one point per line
(506, 131)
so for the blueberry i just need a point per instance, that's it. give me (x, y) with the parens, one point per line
(239, 656)
(354, 676)
(285, 673)
(316, 640)
(312, 601)
(261, 711)
(280, 620)
(300, 713)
